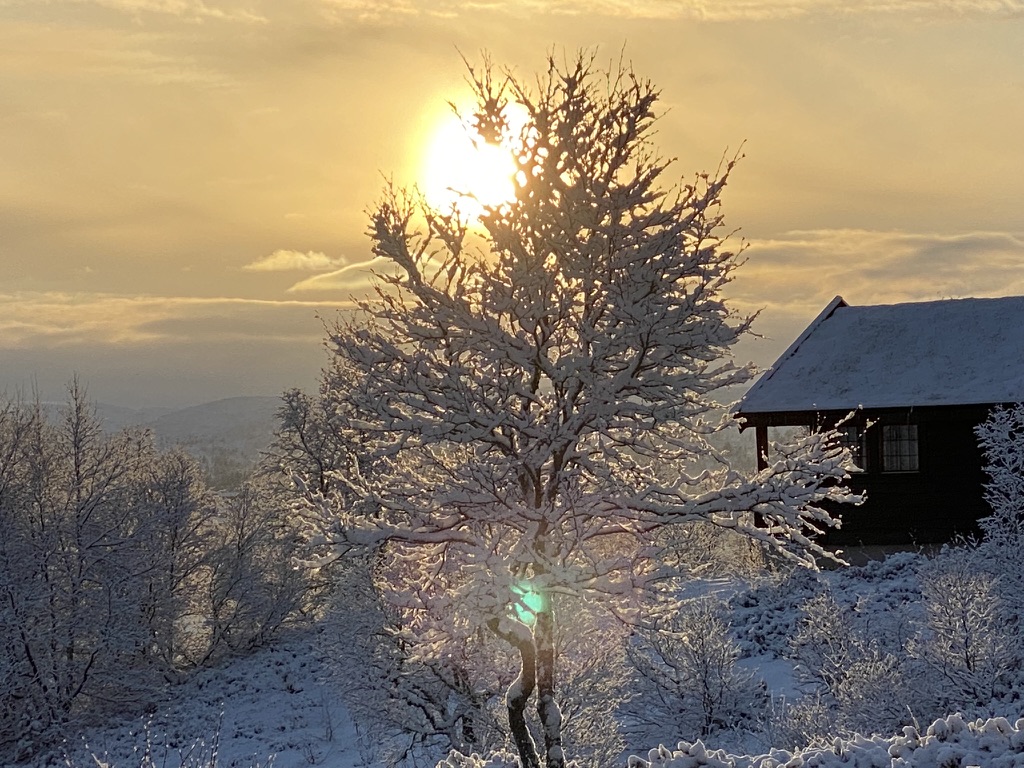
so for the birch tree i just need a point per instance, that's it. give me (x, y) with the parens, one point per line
(526, 390)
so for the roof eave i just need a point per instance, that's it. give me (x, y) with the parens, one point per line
(824, 315)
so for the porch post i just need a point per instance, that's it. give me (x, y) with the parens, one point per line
(761, 439)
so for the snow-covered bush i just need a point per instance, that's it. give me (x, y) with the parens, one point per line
(796, 723)
(763, 615)
(1001, 438)
(686, 677)
(413, 704)
(704, 550)
(859, 674)
(254, 587)
(152, 751)
(968, 641)
(950, 742)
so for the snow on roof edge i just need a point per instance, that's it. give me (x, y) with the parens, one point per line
(824, 315)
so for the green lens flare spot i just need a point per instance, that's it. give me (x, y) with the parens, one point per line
(528, 603)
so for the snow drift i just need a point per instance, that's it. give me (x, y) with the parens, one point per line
(950, 742)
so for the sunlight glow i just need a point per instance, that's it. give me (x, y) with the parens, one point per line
(457, 171)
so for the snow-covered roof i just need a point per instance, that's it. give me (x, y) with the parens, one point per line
(950, 352)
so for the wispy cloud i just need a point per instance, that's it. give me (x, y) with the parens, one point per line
(286, 261)
(159, 350)
(390, 11)
(190, 10)
(353, 278)
(59, 320)
(48, 50)
(801, 271)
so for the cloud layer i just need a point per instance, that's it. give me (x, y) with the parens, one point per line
(396, 12)
(147, 350)
(288, 261)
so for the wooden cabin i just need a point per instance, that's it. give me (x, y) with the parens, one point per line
(918, 378)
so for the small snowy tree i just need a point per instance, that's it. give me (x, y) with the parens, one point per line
(859, 673)
(688, 679)
(524, 395)
(1001, 438)
(967, 638)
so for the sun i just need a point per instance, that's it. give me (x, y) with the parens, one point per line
(470, 175)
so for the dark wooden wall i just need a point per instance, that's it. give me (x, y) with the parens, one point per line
(941, 501)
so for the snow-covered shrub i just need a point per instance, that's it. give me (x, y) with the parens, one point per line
(704, 550)
(413, 703)
(687, 679)
(967, 640)
(254, 588)
(763, 616)
(949, 742)
(1001, 438)
(495, 760)
(410, 707)
(595, 679)
(797, 723)
(863, 679)
(151, 750)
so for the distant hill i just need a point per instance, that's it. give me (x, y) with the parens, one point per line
(243, 421)
(227, 436)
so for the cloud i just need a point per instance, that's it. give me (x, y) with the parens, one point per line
(189, 10)
(790, 279)
(83, 54)
(353, 278)
(802, 270)
(391, 11)
(55, 320)
(285, 261)
(159, 350)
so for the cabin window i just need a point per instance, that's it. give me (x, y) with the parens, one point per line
(852, 438)
(899, 448)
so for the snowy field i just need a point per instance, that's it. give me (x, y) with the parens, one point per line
(275, 707)
(270, 708)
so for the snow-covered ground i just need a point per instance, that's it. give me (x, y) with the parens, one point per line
(270, 708)
(275, 708)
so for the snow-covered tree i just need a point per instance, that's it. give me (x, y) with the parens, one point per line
(119, 570)
(969, 642)
(688, 681)
(524, 395)
(1001, 438)
(70, 565)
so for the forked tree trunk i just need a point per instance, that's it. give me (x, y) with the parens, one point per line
(516, 699)
(547, 708)
(519, 694)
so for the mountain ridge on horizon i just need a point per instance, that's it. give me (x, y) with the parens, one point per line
(227, 436)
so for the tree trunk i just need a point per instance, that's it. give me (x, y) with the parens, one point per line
(547, 708)
(519, 694)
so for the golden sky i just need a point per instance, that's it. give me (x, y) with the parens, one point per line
(183, 183)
